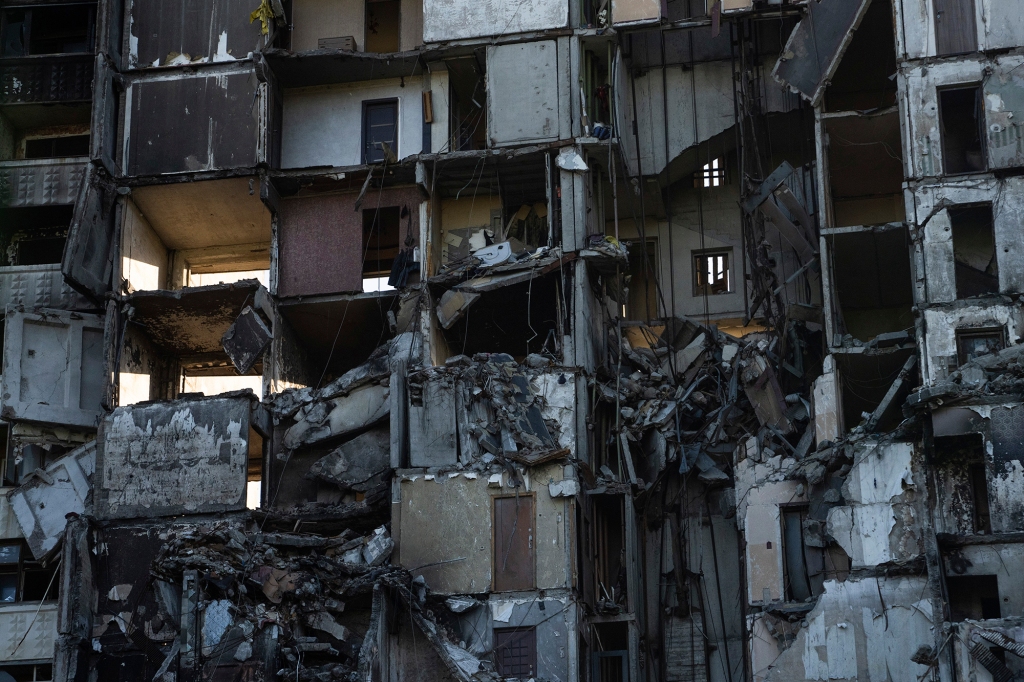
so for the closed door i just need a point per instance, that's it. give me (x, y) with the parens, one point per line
(513, 543)
(955, 28)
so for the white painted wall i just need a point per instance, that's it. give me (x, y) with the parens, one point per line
(940, 333)
(323, 125)
(457, 19)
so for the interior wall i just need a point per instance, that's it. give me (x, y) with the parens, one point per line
(313, 115)
(315, 19)
(143, 254)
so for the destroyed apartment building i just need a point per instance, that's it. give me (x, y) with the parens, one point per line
(452, 341)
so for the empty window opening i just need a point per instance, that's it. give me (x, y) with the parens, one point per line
(803, 563)
(962, 122)
(380, 131)
(22, 578)
(712, 175)
(383, 25)
(863, 80)
(28, 672)
(973, 343)
(515, 652)
(865, 164)
(513, 543)
(55, 147)
(979, 495)
(873, 282)
(212, 384)
(973, 597)
(609, 661)
(865, 379)
(198, 278)
(712, 274)
(467, 110)
(33, 235)
(47, 30)
(974, 251)
(381, 236)
(642, 302)
(609, 547)
(253, 490)
(955, 27)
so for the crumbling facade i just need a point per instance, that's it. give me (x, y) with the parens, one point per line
(582, 341)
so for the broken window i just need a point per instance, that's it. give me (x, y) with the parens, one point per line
(381, 237)
(47, 30)
(803, 564)
(28, 672)
(609, 548)
(383, 23)
(23, 459)
(973, 343)
(54, 147)
(973, 597)
(712, 175)
(467, 112)
(979, 495)
(515, 652)
(33, 235)
(642, 303)
(513, 543)
(955, 28)
(380, 131)
(610, 659)
(22, 578)
(974, 251)
(712, 272)
(962, 122)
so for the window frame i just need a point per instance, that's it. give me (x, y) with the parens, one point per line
(968, 332)
(25, 557)
(982, 126)
(697, 271)
(367, 105)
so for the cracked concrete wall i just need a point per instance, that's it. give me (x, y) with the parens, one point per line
(864, 630)
(939, 348)
(929, 209)
(881, 521)
(1002, 86)
(458, 19)
(442, 525)
(162, 459)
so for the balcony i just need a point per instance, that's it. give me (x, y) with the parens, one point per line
(46, 78)
(20, 618)
(41, 182)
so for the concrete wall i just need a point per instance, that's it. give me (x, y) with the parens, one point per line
(448, 518)
(323, 125)
(999, 25)
(143, 254)
(315, 19)
(864, 630)
(457, 19)
(928, 208)
(939, 353)
(185, 456)
(1003, 93)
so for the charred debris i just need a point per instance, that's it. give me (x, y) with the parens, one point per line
(419, 341)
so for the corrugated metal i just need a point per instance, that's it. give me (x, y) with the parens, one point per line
(42, 504)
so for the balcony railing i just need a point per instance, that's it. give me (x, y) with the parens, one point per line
(41, 182)
(46, 78)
